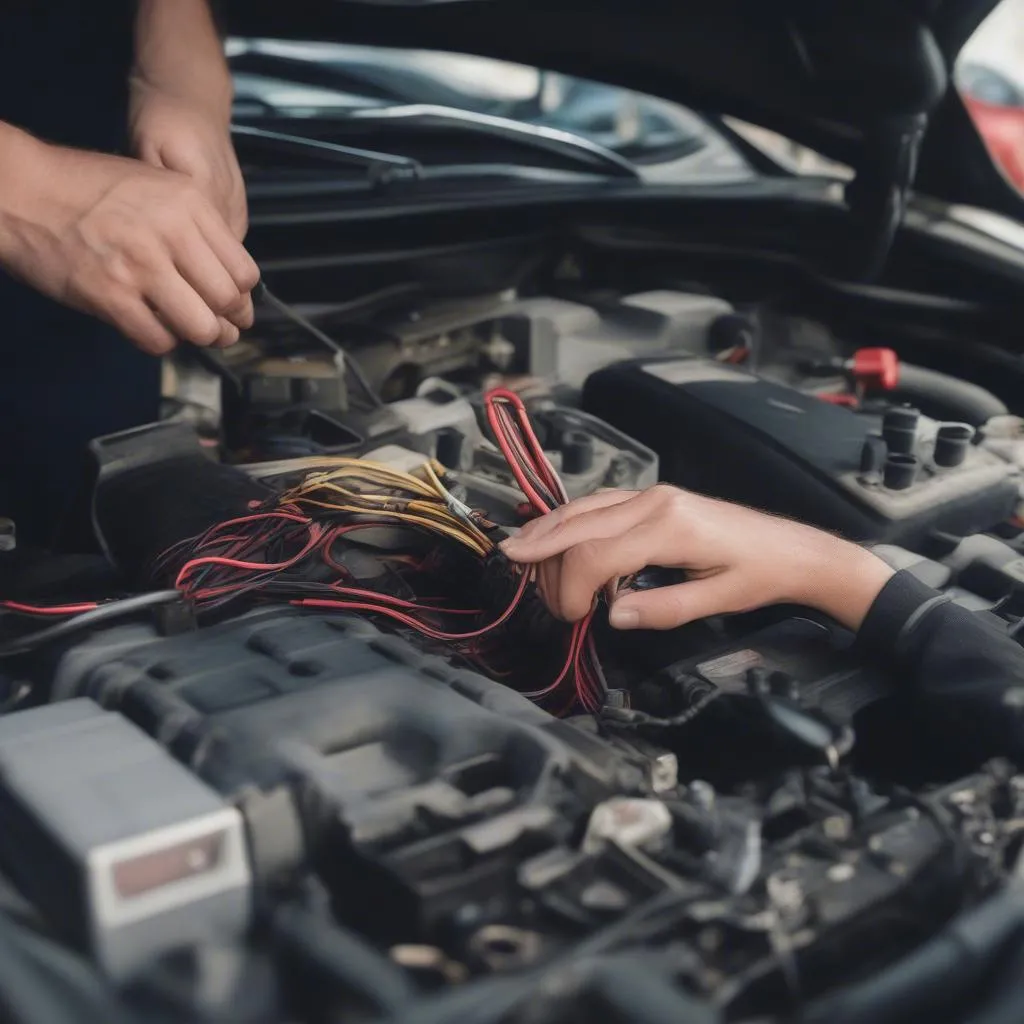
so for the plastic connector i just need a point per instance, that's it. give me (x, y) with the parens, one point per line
(876, 369)
(175, 618)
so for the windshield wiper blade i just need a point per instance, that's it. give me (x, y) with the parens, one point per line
(380, 167)
(551, 140)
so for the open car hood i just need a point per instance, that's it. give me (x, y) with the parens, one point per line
(866, 82)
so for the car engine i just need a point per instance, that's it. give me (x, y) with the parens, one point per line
(240, 799)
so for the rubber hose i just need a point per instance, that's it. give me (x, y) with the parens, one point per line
(945, 397)
(945, 971)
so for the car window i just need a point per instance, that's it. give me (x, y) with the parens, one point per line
(288, 79)
(794, 157)
(990, 79)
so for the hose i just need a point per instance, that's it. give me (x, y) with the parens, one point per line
(945, 397)
(944, 971)
(99, 616)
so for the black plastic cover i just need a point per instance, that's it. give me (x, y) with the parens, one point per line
(724, 432)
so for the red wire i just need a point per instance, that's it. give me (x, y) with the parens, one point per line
(56, 609)
(542, 465)
(525, 455)
(569, 662)
(224, 561)
(401, 602)
(315, 533)
(513, 462)
(422, 627)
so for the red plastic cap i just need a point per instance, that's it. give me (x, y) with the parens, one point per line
(876, 368)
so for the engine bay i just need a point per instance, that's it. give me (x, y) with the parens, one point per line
(336, 761)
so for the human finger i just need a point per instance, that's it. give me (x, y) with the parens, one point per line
(135, 320)
(669, 607)
(182, 310)
(588, 566)
(542, 525)
(229, 333)
(197, 263)
(599, 523)
(227, 248)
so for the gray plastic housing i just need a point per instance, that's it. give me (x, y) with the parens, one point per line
(119, 846)
(285, 713)
(616, 460)
(567, 341)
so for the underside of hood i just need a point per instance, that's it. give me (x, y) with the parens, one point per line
(822, 71)
(856, 80)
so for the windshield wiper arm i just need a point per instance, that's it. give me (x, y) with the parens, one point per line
(380, 167)
(551, 140)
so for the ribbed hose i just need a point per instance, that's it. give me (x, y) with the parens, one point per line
(945, 397)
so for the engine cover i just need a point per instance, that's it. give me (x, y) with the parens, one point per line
(723, 431)
(438, 812)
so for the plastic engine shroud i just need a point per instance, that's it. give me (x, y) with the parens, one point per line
(440, 811)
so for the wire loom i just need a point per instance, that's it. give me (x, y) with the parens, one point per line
(310, 547)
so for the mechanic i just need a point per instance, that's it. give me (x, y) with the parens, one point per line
(99, 248)
(963, 674)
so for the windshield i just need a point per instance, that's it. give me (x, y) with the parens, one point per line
(277, 79)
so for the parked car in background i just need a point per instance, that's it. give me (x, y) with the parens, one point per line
(996, 102)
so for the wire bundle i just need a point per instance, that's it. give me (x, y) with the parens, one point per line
(358, 536)
(514, 434)
(427, 551)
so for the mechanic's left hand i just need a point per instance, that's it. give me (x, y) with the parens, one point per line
(180, 135)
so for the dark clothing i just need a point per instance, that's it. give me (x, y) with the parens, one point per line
(64, 377)
(959, 672)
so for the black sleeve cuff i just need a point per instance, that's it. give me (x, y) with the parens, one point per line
(897, 602)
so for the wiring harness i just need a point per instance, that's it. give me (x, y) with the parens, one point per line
(358, 536)
(353, 535)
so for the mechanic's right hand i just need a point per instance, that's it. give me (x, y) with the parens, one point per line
(737, 559)
(139, 247)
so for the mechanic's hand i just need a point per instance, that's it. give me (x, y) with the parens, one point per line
(737, 559)
(142, 248)
(182, 135)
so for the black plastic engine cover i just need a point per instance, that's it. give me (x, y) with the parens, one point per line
(434, 808)
(328, 733)
(722, 431)
(800, 656)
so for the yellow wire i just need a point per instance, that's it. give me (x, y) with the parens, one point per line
(424, 503)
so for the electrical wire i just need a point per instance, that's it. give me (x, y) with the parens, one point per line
(349, 365)
(296, 550)
(100, 615)
(516, 439)
(300, 547)
(57, 609)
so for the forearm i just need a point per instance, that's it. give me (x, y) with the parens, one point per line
(836, 577)
(178, 52)
(24, 178)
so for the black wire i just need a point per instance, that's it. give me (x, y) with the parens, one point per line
(351, 366)
(99, 616)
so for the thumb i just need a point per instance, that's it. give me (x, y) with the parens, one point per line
(668, 607)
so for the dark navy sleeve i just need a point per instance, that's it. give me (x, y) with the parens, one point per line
(961, 671)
